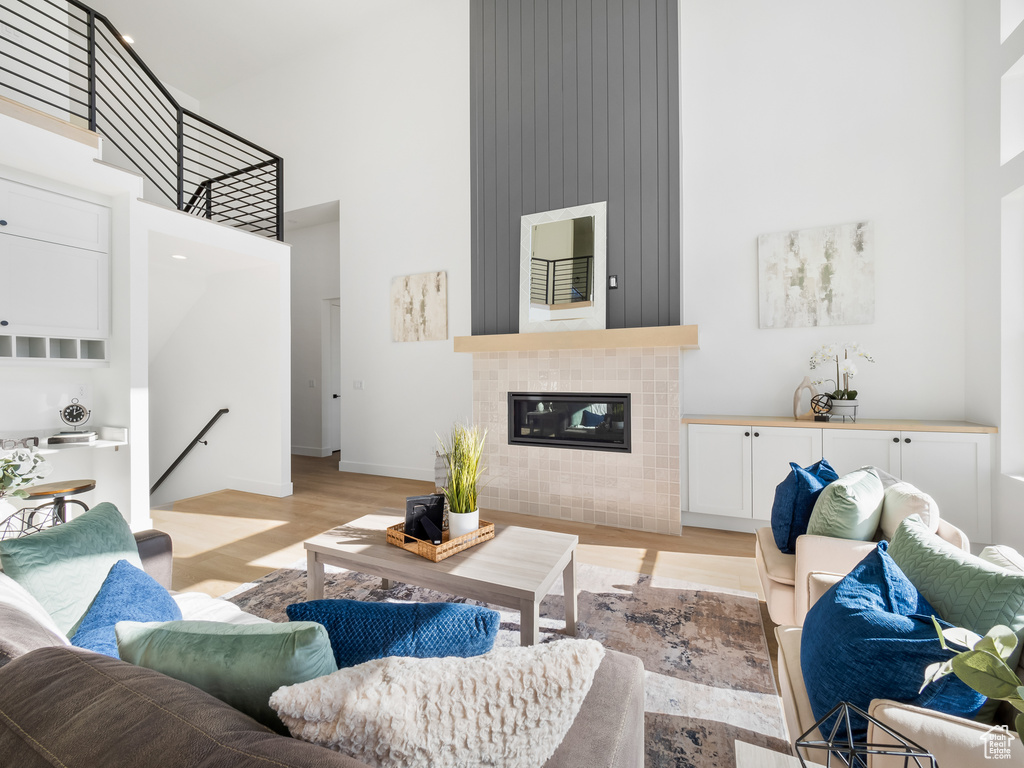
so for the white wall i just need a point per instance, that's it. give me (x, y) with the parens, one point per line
(801, 114)
(315, 277)
(381, 123)
(225, 346)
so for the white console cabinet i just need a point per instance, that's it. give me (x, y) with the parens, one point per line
(734, 463)
(55, 291)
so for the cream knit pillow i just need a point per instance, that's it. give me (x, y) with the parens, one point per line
(510, 707)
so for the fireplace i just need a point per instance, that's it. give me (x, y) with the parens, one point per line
(596, 422)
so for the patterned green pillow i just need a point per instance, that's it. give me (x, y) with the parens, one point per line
(849, 508)
(64, 567)
(966, 590)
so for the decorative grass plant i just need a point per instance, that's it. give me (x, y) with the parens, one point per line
(463, 450)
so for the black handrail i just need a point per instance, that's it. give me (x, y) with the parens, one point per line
(115, 93)
(195, 441)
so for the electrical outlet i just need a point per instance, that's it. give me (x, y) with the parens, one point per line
(82, 391)
(312, 384)
(357, 385)
(613, 281)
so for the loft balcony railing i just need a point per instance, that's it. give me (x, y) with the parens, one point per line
(69, 61)
(561, 281)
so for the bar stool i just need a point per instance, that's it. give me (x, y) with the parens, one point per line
(59, 493)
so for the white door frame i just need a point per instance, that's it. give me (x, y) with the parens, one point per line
(326, 383)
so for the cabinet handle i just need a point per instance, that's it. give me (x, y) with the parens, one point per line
(906, 440)
(895, 439)
(746, 434)
(757, 434)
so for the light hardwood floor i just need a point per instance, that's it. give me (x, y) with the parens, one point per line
(228, 538)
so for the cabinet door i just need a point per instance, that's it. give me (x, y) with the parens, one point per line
(773, 449)
(850, 449)
(53, 290)
(955, 470)
(54, 218)
(719, 469)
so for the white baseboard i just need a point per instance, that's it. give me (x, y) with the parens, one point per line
(384, 470)
(277, 490)
(302, 450)
(722, 522)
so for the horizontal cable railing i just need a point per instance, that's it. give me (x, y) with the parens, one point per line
(69, 61)
(561, 281)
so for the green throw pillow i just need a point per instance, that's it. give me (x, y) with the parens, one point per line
(240, 664)
(64, 567)
(966, 590)
(849, 508)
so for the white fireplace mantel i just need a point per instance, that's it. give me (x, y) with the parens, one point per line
(681, 336)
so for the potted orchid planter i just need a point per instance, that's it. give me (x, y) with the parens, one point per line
(463, 454)
(18, 470)
(844, 398)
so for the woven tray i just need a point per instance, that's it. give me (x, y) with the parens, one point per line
(448, 547)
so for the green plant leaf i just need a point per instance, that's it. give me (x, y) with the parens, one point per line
(1017, 703)
(961, 639)
(1018, 724)
(837, 395)
(986, 673)
(936, 671)
(999, 641)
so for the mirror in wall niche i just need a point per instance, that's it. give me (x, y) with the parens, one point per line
(562, 268)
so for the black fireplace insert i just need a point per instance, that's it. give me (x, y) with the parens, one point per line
(595, 422)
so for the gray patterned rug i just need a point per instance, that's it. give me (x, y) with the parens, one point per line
(708, 676)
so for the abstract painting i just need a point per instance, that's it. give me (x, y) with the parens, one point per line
(821, 276)
(419, 307)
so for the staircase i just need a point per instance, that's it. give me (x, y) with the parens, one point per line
(65, 59)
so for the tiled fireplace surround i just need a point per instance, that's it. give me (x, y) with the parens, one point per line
(638, 490)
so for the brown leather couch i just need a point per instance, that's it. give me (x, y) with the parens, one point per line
(63, 706)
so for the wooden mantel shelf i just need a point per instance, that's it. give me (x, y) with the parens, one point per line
(885, 425)
(682, 336)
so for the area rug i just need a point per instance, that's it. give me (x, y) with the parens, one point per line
(708, 675)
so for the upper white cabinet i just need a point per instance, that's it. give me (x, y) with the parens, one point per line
(42, 215)
(55, 262)
(734, 468)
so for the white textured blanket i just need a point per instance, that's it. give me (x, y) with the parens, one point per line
(510, 707)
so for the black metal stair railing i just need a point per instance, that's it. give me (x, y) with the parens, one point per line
(65, 59)
(188, 449)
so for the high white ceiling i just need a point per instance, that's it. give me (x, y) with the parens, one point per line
(204, 46)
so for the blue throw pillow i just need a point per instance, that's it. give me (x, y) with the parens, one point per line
(127, 594)
(871, 637)
(794, 502)
(591, 419)
(364, 631)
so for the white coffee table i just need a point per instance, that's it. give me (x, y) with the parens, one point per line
(515, 569)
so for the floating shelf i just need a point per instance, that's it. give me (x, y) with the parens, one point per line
(886, 425)
(52, 350)
(681, 336)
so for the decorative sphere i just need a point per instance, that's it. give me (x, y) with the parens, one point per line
(821, 403)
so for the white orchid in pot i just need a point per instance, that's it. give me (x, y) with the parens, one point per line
(463, 453)
(844, 357)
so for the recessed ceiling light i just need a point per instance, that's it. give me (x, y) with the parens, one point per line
(178, 256)
(128, 39)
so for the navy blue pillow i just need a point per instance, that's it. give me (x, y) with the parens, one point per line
(591, 419)
(794, 502)
(364, 631)
(127, 594)
(871, 637)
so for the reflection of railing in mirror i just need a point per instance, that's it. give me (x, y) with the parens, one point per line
(561, 281)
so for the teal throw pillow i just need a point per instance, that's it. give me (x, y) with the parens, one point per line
(128, 594)
(794, 501)
(849, 508)
(64, 567)
(966, 590)
(240, 664)
(362, 631)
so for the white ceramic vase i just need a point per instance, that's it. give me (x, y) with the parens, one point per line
(461, 523)
(844, 409)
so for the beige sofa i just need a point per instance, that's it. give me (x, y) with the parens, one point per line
(784, 578)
